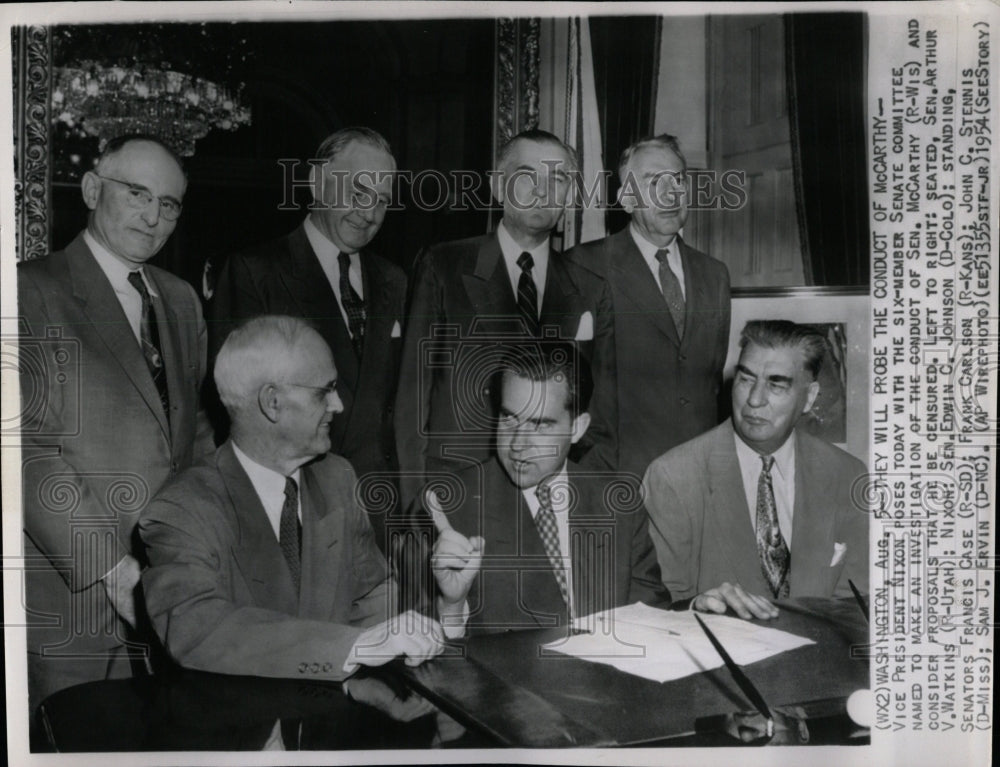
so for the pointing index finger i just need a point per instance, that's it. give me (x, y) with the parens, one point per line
(433, 506)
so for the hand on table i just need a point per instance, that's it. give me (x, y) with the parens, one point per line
(732, 595)
(376, 693)
(410, 634)
(119, 585)
(455, 559)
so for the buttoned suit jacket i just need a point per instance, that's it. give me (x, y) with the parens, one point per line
(285, 277)
(462, 311)
(612, 557)
(668, 387)
(704, 534)
(97, 444)
(218, 589)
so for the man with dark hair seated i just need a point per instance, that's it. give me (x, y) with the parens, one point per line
(755, 510)
(527, 539)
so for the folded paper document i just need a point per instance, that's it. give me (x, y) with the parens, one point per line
(663, 645)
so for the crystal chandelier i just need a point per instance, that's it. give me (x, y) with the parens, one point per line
(104, 101)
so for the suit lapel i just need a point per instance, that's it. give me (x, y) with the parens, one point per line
(99, 303)
(561, 299)
(322, 547)
(696, 288)
(309, 288)
(812, 522)
(728, 498)
(488, 286)
(631, 272)
(256, 550)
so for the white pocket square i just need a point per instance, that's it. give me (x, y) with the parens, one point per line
(397, 331)
(839, 549)
(585, 331)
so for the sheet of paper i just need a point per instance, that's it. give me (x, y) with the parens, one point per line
(663, 645)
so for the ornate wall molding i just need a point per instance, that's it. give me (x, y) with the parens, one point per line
(32, 69)
(516, 88)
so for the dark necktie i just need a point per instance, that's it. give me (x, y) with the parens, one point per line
(774, 554)
(527, 294)
(354, 305)
(672, 292)
(545, 522)
(149, 339)
(290, 532)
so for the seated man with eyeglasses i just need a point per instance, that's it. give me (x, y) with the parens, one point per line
(113, 355)
(262, 561)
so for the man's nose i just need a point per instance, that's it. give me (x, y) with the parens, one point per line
(334, 403)
(758, 394)
(151, 213)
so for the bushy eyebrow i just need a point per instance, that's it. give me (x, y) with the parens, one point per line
(771, 378)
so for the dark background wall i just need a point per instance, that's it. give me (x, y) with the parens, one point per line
(426, 85)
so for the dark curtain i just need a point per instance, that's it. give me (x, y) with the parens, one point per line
(826, 56)
(626, 63)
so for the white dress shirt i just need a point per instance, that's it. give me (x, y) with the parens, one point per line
(327, 254)
(782, 482)
(270, 488)
(648, 251)
(512, 251)
(117, 273)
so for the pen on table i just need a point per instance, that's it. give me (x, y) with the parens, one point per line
(860, 600)
(741, 679)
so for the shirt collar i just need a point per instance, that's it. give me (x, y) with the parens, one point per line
(114, 269)
(268, 483)
(559, 479)
(322, 246)
(784, 456)
(648, 249)
(511, 250)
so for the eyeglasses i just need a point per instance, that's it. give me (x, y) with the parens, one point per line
(326, 391)
(140, 198)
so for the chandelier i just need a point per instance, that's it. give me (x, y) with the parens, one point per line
(94, 99)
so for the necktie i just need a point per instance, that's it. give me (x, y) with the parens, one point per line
(149, 339)
(672, 292)
(354, 305)
(290, 532)
(545, 522)
(527, 294)
(774, 554)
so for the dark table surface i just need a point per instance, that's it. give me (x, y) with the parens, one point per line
(505, 686)
(499, 686)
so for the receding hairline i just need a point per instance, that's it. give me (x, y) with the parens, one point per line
(116, 154)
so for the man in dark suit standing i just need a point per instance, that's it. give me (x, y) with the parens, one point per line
(111, 371)
(323, 272)
(754, 509)
(471, 296)
(547, 540)
(671, 306)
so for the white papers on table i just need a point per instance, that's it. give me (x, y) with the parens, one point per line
(662, 645)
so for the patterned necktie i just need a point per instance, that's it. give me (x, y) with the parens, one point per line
(527, 294)
(290, 531)
(672, 292)
(354, 305)
(774, 554)
(149, 339)
(545, 522)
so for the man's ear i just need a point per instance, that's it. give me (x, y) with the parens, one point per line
(90, 188)
(580, 425)
(269, 402)
(498, 183)
(811, 397)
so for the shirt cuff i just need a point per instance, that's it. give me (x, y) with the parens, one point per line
(453, 623)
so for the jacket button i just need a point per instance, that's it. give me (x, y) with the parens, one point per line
(314, 668)
(303, 667)
(685, 401)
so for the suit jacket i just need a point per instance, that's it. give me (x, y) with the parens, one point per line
(462, 310)
(612, 557)
(219, 592)
(97, 444)
(704, 536)
(285, 277)
(667, 387)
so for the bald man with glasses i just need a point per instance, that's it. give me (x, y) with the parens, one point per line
(113, 353)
